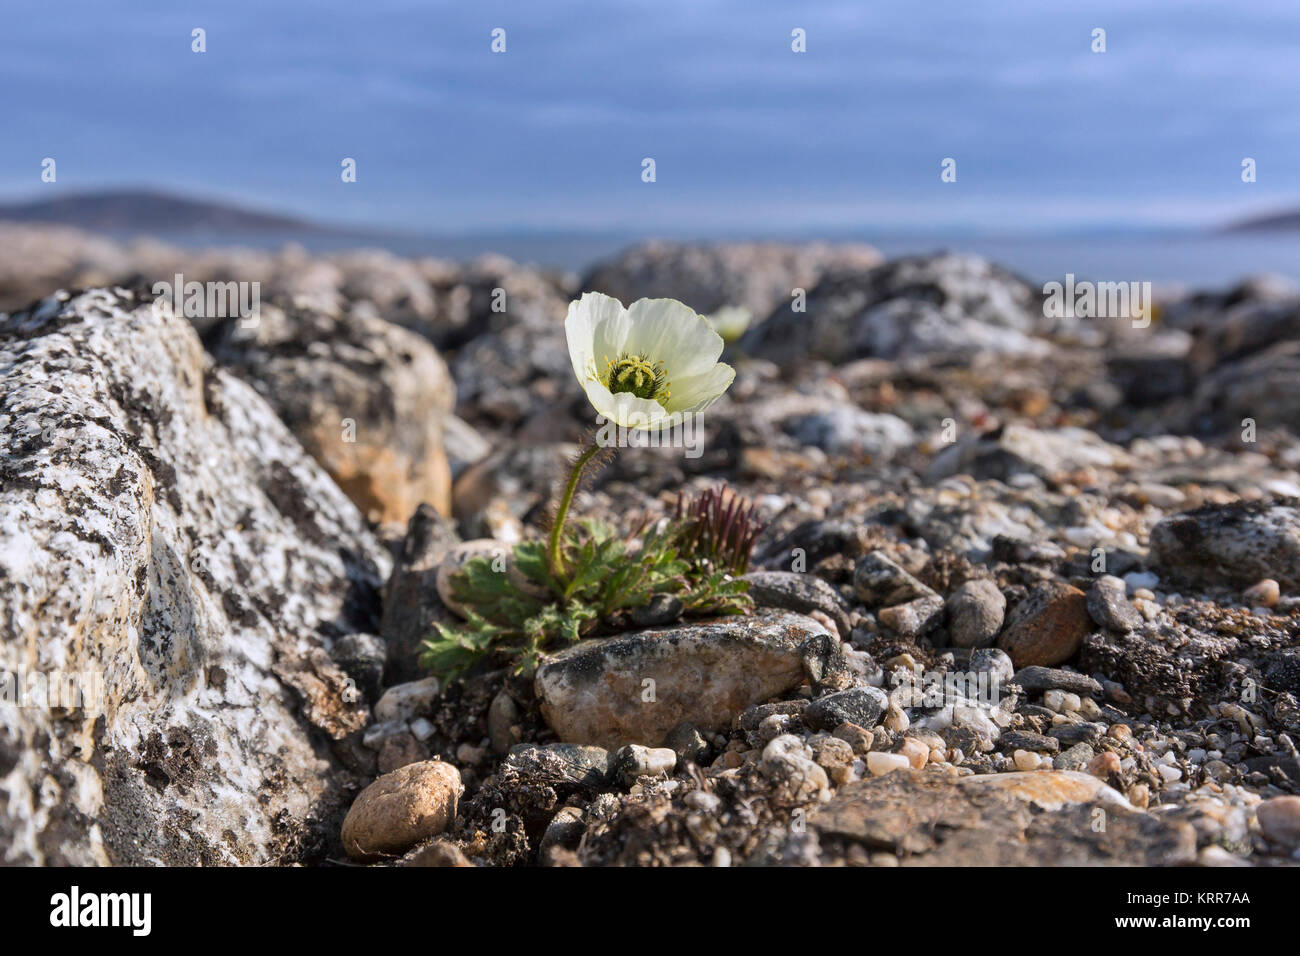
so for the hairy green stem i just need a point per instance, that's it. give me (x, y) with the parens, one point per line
(554, 555)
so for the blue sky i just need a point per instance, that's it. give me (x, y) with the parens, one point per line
(746, 135)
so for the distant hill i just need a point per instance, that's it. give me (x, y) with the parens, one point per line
(1275, 222)
(145, 211)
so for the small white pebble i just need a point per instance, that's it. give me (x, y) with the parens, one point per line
(1168, 773)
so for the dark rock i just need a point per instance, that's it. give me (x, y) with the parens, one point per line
(1036, 679)
(799, 592)
(1071, 734)
(1161, 673)
(411, 602)
(1233, 545)
(662, 609)
(861, 705)
(687, 742)
(1153, 375)
(1260, 387)
(811, 543)
(362, 658)
(1025, 740)
(1282, 671)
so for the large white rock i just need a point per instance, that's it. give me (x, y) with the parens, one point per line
(163, 535)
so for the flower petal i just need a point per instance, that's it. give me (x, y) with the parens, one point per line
(625, 408)
(595, 327)
(695, 393)
(666, 331)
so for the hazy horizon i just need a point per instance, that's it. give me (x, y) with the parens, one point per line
(748, 137)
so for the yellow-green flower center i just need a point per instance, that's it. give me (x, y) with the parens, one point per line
(638, 375)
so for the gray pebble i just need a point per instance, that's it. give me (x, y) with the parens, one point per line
(1108, 605)
(975, 613)
(1076, 758)
(1024, 740)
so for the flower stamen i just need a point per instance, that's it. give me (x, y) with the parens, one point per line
(637, 375)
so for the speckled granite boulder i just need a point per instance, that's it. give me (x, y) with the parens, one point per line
(166, 542)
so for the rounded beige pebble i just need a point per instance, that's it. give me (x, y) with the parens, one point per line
(402, 808)
(1279, 819)
(917, 753)
(1265, 593)
(879, 763)
(1024, 760)
(1104, 765)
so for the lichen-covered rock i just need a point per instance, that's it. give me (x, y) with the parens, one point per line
(755, 276)
(635, 688)
(1017, 449)
(1231, 545)
(1259, 388)
(923, 305)
(402, 808)
(366, 398)
(165, 539)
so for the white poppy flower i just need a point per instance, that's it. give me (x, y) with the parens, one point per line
(646, 366)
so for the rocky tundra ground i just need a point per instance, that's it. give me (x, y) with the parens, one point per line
(1028, 590)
